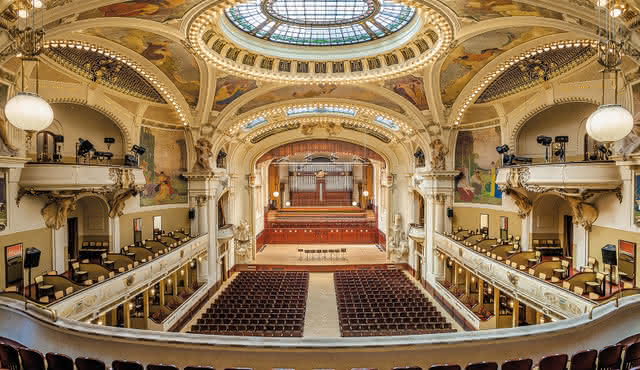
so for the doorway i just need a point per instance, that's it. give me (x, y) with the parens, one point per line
(223, 265)
(419, 268)
(568, 235)
(72, 238)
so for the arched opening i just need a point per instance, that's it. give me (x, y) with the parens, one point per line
(221, 159)
(88, 228)
(420, 158)
(552, 229)
(559, 120)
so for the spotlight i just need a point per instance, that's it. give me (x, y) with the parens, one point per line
(502, 149)
(109, 141)
(83, 147)
(511, 159)
(418, 154)
(546, 141)
(222, 154)
(560, 147)
(562, 139)
(138, 149)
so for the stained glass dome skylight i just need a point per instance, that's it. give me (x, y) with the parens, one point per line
(320, 22)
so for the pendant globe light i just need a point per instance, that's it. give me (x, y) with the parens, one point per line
(27, 110)
(610, 122)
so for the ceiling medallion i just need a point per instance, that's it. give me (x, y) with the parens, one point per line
(244, 39)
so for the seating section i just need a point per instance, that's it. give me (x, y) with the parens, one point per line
(372, 303)
(613, 357)
(270, 304)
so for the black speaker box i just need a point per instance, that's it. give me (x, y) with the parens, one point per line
(31, 258)
(450, 212)
(192, 213)
(609, 255)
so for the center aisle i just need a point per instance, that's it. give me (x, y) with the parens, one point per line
(321, 319)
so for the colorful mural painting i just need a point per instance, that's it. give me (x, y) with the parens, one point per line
(479, 10)
(477, 160)
(636, 199)
(466, 60)
(320, 91)
(155, 10)
(163, 163)
(230, 88)
(169, 56)
(410, 88)
(631, 143)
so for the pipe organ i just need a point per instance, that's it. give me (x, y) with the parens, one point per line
(325, 184)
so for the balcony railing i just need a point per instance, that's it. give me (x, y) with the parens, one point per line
(416, 232)
(59, 176)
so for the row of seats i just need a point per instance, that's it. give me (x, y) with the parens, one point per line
(373, 303)
(239, 312)
(612, 357)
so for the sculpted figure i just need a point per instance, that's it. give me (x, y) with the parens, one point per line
(119, 199)
(203, 155)
(399, 252)
(242, 237)
(56, 211)
(584, 214)
(438, 155)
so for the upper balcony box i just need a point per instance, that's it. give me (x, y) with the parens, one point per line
(416, 232)
(225, 233)
(59, 176)
(571, 175)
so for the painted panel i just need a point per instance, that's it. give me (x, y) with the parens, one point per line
(410, 88)
(631, 143)
(155, 10)
(477, 160)
(163, 163)
(320, 91)
(169, 56)
(636, 200)
(479, 10)
(466, 60)
(230, 88)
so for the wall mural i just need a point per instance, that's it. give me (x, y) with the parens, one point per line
(636, 199)
(169, 56)
(320, 91)
(466, 60)
(479, 10)
(229, 88)
(477, 160)
(631, 143)
(410, 88)
(155, 10)
(163, 164)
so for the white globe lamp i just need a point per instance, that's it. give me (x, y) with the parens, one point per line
(29, 112)
(354, 203)
(365, 193)
(609, 123)
(288, 204)
(276, 194)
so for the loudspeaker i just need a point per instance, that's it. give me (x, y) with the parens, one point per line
(31, 258)
(609, 255)
(192, 213)
(450, 212)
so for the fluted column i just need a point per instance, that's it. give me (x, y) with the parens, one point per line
(439, 212)
(202, 215)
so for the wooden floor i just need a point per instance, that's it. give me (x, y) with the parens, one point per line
(287, 254)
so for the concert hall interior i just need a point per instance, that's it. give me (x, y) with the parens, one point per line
(319, 184)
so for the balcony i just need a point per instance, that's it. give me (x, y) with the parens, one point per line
(63, 177)
(416, 233)
(568, 176)
(225, 233)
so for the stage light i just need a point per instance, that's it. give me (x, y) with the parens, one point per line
(84, 147)
(502, 149)
(562, 139)
(544, 140)
(138, 149)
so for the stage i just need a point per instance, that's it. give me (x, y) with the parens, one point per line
(287, 254)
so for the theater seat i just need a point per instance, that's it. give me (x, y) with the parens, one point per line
(632, 356)
(519, 364)
(126, 365)
(31, 359)
(197, 368)
(58, 361)
(610, 357)
(584, 360)
(445, 367)
(161, 367)
(85, 363)
(484, 365)
(553, 362)
(9, 357)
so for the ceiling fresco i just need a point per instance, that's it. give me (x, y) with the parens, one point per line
(320, 91)
(155, 10)
(230, 88)
(479, 10)
(466, 60)
(411, 88)
(169, 56)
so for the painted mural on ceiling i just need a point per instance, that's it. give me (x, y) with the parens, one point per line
(230, 88)
(476, 160)
(468, 58)
(479, 10)
(169, 56)
(155, 10)
(320, 91)
(410, 88)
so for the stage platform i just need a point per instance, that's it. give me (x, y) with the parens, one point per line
(322, 209)
(287, 254)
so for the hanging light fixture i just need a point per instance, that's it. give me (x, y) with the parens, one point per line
(27, 110)
(610, 122)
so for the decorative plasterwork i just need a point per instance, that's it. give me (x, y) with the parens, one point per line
(150, 78)
(462, 104)
(110, 70)
(215, 48)
(536, 69)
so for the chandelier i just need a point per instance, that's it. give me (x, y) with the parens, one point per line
(27, 110)
(610, 122)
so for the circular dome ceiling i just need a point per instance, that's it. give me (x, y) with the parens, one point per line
(320, 22)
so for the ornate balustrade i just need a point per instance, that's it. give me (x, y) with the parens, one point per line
(111, 292)
(63, 177)
(548, 298)
(539, 178)
(416, 232)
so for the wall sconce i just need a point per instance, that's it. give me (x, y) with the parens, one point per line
(153, 292)
(276, 194)
(130, 306)
(365, 193)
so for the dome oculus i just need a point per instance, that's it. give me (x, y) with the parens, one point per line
(320, 22)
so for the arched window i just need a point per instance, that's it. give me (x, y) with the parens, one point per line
(46, 146)
(221, 159)
(420, 160)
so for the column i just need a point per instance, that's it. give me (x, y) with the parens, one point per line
(145, 305)
(114, 235)
(516, 313)
(525, 242)
(285, 194)
(467, 281)
(539, 317)
(187, 272)
(127, 313)
(114, 316)
(455, 273)
(162, 289)
(174, 284)
(202, 215)
(581, 246)
(212, 251)
(59, 239)
(496, 303)
(439, 212)
(203, 271)
(481, 292)
(429, 247)
(102, 319)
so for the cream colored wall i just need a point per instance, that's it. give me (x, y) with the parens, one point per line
(600, 236)
(40, 239)
(93, 219)
(172, 219)
(469, 218)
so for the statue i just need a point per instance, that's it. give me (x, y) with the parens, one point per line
(57, 209)
(584, 214)
(522, 202)
(119, 199)
(242, 236)
(395, 234)
(398, 253)
(203, 155)
(6, 149)
(438, 155)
